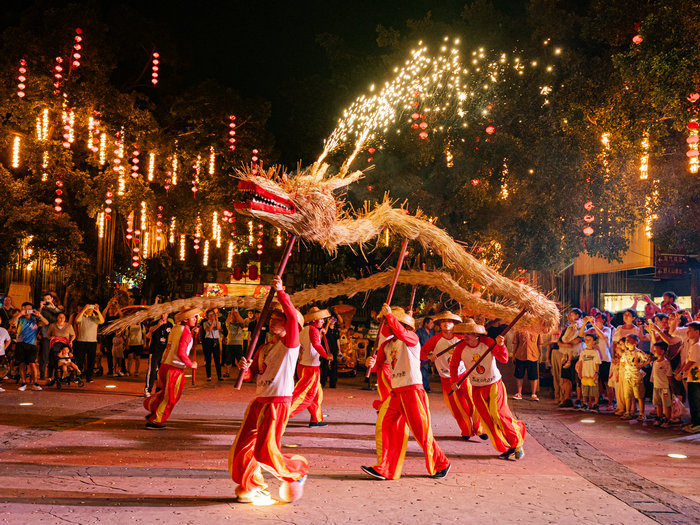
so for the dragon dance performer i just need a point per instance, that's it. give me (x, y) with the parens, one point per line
(171, 373)
(308, 393)
(459, 402)
(257, 444)
(488, 393)
(383, 370)
(407, 405)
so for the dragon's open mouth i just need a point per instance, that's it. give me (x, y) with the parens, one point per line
(258, 198)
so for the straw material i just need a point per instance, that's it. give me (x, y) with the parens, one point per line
(471, 305)
(469, 326)
(447, 316)
(187, 313)
(320, 217)
(315, 313)
(402, 316)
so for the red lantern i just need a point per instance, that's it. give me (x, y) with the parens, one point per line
(588, 218)
(475, 182)
(371, 151)
(423, 125)
(423, 135)
(637, 39)
(588, 230)
(588, 206)
(415, 116)
(253, 272)
(490, 130)
(692, 125)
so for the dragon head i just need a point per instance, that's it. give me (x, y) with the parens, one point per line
(304, 204)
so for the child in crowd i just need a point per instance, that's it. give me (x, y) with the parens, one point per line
(118, 345)
(691, 370)
(615, 382)
(587, 368)
(661, 375)
(632, 361)
(65, 363)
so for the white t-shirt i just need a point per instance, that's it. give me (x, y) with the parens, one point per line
(277, 378)
(589, 359)
(442, 363)
(682, 332)
(487, 372)
(4, 338)
(308, 355)
(404, 363)
(622, 331)
(566, 344)
(604, 344)
(660, 371)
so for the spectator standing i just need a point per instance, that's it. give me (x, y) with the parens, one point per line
(49, 309)
(570, 347)
(85, 348)
(604, 337)
(660, 376)
(5, 341)
(424, 333)
(691, 370)
(632, 362)
(527, 361)
(233, 348)
(136, 345)
(329, 368)
(588, 364)
(111, 313)
(27, 322)
(157, 336)
(210, 344)
(6, 313)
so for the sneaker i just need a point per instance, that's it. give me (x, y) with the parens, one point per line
(293, 491)
(2, 389)
(583, 407)
(627, 417)
(22, 387)
(641, 417)
(257, 496)
(518, 396)
(595, 408)
(519, 452)
(507, 454)
(664, 423)
(318, 424)
(534, 397)
(567, 403)
(442, 473)
(483, 437)
(691, 429)
(371, 472)
(466, 438)
(208, 378)
(154, 426)
(36, 387)
(577, 403)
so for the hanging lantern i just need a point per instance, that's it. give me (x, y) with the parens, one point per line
(588, 231)
(77, 49)
(423, 135)
(22, 78)
(155, 61)
(232, 132)
(490, 130)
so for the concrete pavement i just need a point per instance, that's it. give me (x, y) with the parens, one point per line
(82, 455)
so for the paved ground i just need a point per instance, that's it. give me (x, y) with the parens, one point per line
(81, 455)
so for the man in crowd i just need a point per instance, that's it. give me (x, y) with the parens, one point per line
(27, 322)
(424, 333)
(85, 347)
(49, 309)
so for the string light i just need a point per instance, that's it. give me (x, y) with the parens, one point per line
(44, 165)
(644, 161)
(15, 151)
(278, 237)
(692, 141)
(22, 78)
(205, 256)
(151, 166)
(182, 247)
(103, 149)
(251, 238)
(195, 176)
(449, 159)
(68, 120)
(101, 225)
(155, 61)
(232, 132)
(198, 233)
(259, 250)
(117, 162)
(174, 171)
(42, 126)
(144, 215)
(215, 229)
(159, 223)
(146, 244)
(58, 200)
(229, 259)
(135, 162)
(77, 48)
(505, 192)
(108, 203)
(94, 134)
(212, 160)
(171, 232)
(255, 161)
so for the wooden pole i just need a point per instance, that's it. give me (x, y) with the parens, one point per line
(490, 349)
(390, 295)
(413, 299)
(266, 308)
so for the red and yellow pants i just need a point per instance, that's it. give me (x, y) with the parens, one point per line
(257, 447)
(491, 403)
(461, 407)
(399, 412)
(383, 385)
(308, 393)
(171, 381)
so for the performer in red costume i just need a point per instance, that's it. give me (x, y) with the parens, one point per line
(407, 406)
(488, 393)
(383, 371)
(171, 373)
(308, 393)
(460, 402)
(257, 444)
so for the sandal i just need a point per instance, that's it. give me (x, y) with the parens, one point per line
(534, 397)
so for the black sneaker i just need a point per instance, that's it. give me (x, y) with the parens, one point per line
(483, 436)
(577, 403)
(371, 472)
(318, 424)
(442, 473)
(466, 438)
(507, 454)
(154, 426)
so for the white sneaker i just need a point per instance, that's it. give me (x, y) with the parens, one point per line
(23, 387)
(258, 497)
(2, 389)
(36, 387)
(293, 491)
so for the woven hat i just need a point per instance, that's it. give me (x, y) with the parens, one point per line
(186, 313)
(447, 316)
(315, 313)
(469, 327)
(277, 307)
(403, 317)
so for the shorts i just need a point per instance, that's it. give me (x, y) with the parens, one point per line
(232, 354)
(25, 353)
(569, 373)
(663, 397)
(633, 388)
(604, 372)
(590, 390)
(531, 367)
(134, 350)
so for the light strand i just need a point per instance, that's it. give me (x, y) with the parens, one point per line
(151, 166)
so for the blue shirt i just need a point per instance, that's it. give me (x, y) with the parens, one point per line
(27, 330)
(424, 335)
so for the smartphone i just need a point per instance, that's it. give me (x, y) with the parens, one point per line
(30, 311)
